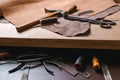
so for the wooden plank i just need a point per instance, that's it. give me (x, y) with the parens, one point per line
(99, 38)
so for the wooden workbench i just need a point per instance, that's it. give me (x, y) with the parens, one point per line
(98, 38)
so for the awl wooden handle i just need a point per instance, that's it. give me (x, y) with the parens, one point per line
(5, 55)
(96, 63)
(43, 22)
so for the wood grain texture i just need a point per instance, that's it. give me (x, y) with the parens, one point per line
(98, 38)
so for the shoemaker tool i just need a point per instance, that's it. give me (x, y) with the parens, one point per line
(25, 74)
(42, 22)
(80, 66)
(43, 59)
(97, 18)
(103, 66)
(96, 63)
(67, 68)
(106, 72)
(27, 26)
(98, 21)
(102, 23)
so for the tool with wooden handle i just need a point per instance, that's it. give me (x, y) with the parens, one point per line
(80, 66)
(79, 63)
(96, 63)
(29, 25)
(46, 21)
(5, 55)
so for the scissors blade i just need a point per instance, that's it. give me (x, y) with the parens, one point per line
(25, 74)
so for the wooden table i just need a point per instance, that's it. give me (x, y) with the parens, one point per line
(99, 38)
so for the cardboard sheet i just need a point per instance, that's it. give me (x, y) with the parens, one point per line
(21, 12)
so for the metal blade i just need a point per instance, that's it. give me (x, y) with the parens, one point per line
(25, 74)
(106, 72)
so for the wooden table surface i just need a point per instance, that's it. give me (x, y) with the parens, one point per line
(99, 38)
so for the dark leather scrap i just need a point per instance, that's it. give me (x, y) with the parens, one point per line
(73, 28)
(69, 28)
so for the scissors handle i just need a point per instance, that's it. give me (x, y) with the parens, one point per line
(107, 23)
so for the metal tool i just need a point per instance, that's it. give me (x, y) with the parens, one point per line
(48, 70)
(79, 63)
(85, 12)
(17, 68)
(102, 23)
(70, 70)
(106, 72)
(80, 66)
(25, 59)
(25, 74)
(48, 21)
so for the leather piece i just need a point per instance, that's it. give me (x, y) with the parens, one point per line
(73, 28)
(69, 28)
(24, 12)
(111, 10)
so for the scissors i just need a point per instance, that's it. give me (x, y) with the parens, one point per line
(102, 22)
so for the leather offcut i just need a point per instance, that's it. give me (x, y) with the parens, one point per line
(74, 28)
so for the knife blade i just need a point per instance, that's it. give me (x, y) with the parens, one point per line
(25, 74)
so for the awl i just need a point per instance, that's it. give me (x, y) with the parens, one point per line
(96, 63)
(80, 66)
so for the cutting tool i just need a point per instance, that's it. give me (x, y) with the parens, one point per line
(106, 72)
(25, 74)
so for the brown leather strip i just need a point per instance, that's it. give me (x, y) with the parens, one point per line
(109, 11)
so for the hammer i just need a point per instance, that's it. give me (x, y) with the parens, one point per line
(29, 25)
